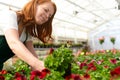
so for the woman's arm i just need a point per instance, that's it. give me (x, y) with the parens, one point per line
(29, 45)
(21, 51)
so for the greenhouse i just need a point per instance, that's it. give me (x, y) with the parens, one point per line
(85, 43)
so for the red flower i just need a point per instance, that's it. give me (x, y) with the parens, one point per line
(2, 78)
(106, 66)
(114, 61)
(68, 77)
(35, 74)
(87, 76)
(91, 66)
(46, 70)
(116, 71)
(73, 77)
(77, 77)
(44, 73)
(51, 50)
(39, 74)
(19, 76)
(82, 65)
(3, 72)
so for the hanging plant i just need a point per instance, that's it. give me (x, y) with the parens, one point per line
(101, 40)
(112, 39)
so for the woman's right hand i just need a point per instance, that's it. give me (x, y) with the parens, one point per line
(38, 66)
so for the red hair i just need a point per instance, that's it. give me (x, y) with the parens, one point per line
(27, 19)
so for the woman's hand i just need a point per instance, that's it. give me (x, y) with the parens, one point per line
(38, 66)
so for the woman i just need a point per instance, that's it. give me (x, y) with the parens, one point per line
(17, 29)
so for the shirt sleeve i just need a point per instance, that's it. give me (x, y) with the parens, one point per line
(8, 20)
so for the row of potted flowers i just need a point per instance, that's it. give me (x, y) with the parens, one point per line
(41, 45)
(62, 64)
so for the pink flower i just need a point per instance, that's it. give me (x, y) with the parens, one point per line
(78, 63)
(113, 51)
(101, 40)
(102, 51)
(100, 62)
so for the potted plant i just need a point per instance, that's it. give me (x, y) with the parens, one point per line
(101, 40)
(60, 60)
(112, 39)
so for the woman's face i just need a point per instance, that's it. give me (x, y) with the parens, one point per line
(44, 12)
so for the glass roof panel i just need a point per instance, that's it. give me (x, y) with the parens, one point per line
(80, 15)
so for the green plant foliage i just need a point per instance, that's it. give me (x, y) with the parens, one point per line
(55, 75)
(101, 41)
(112, 39)
(22, 67)
(59, 60)
(103, 68)
(98, 66)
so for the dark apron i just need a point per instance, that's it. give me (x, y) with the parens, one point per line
(5, 51)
